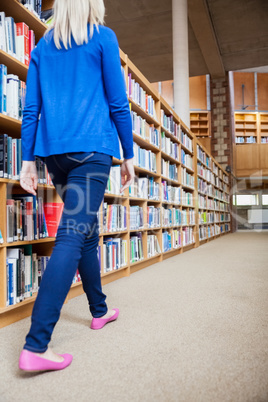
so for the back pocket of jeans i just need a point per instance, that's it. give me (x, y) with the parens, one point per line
(79, 157)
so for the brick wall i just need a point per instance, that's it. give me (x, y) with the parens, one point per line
(221, 136)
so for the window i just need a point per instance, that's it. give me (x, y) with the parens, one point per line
(247, 199)
(264, 199)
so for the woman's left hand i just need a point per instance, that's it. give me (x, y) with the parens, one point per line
(29, 177)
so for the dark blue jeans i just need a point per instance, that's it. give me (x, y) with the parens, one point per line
(80, 179)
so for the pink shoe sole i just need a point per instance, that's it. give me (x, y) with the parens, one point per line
(98, 323)
(30, 362)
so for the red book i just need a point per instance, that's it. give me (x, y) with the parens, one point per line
(53, 212)
(22, 42)
(31, 42)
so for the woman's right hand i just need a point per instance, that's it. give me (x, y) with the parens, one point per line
(127, 173)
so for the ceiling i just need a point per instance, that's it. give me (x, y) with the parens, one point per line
(224, 35)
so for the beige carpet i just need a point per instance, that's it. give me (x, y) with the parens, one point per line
(192, 328)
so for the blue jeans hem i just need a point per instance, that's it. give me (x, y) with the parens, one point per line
(35, 350)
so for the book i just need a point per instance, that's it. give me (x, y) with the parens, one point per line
(136, 247)
(53, 212)
(3, 45)
(1, 237)
(153, 247)
(22, 42)
(114, 254)
(3, 89)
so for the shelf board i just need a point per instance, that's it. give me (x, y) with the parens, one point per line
(104, 274)
(171, 250)
(170, 135)
(148, 172)
(187, 149)
(188, 187)
(24, 242)
(8, 124)
(166, 156)
(14, 66)
(17, 182)
(119, 232)
(174, 182)
(136, 108)
(144, 143)
(187, 168)
(108, 195)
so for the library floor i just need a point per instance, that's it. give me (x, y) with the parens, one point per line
(193, 328)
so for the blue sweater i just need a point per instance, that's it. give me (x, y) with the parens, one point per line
(81, 95)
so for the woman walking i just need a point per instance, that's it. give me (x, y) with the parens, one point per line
(76, 84)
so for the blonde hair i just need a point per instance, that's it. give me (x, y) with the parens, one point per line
(70, 19)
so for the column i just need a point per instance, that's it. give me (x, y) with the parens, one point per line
(221, 133)
(181, 59)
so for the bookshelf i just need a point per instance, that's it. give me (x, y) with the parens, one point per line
(200, 123)
(169, 208)
(263, 119)
(246, 128)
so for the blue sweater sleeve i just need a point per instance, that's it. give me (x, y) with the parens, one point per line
(116, 93)
(31, 110)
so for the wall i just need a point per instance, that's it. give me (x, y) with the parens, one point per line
(246, 79)
(198, 92)
(262, 79)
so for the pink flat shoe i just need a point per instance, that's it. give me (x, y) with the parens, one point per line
(98, 323)
(30, 362)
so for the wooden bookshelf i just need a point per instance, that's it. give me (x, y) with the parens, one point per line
(246, 127)
(185, 139)
(200, 123)
(263, 128)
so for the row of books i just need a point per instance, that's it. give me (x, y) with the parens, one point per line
(246, 140)
(144, 187)
(186, 141)
(144, 158)
(187, 198)
(264, 140)
(11, 160)
(24, 271)
(188, 217)
(34, 6)
(113, 217)
(213, 217)
(203, 157)
(139, 96)
(153, 247)
(170, 193)
(171, 217)
(169, 170)
(169, 147)
(153, 217)
(114, 180)
(202, 233)
(186, 178)
(168, 123)
(213, 230)
(202, 186)
(187, 233)
(187, 160)
(10, 157)
(12, 94)
(16, 39)
(145, 130)
(136, 220)
(171, 240)
(29, 218)
(114, 254)
(136, 247)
